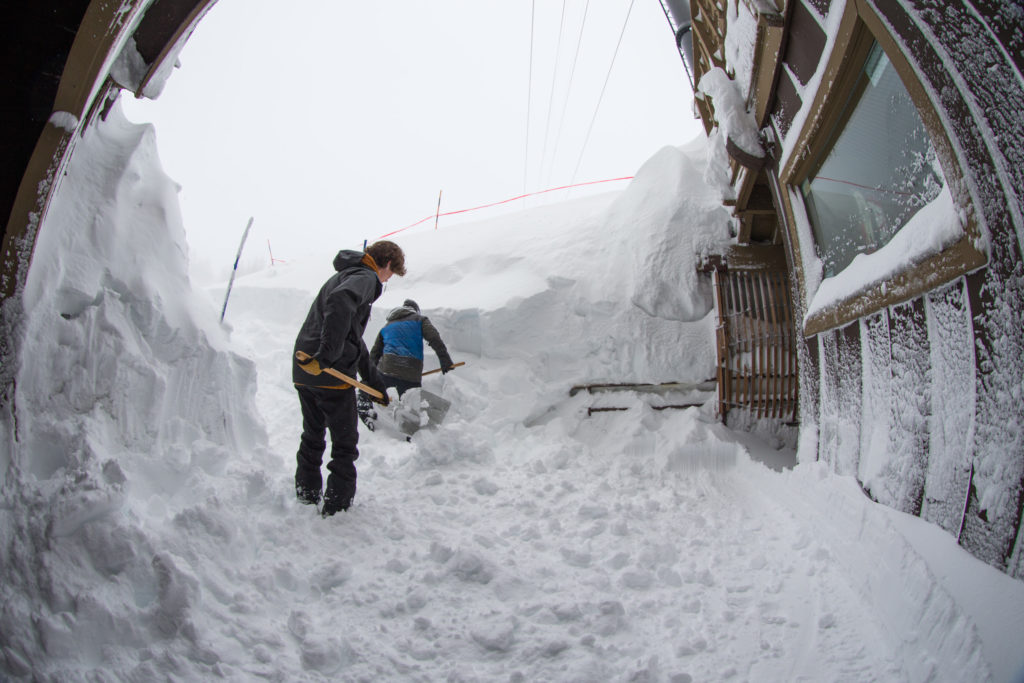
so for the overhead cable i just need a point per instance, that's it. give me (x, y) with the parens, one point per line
(568, 88)
(529, 92)
(551, 99)
(601, 96)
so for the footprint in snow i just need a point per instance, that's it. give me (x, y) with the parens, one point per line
(637, 580)
(327, 655)
(485, 487)
(330, 576)
(593, 511)
(497, 635)
(576, 558)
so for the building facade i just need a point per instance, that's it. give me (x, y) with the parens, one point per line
(885, 185)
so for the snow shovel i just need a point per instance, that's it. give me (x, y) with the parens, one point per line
(431, 372)
(416, 409)
(416, 403)
(436, 408)
(314, 368)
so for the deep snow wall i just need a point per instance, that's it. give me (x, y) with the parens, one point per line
(126, 399)
(628, 261)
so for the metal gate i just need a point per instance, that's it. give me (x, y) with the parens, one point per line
(756, 344)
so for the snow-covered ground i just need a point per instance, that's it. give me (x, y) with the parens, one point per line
(149, 531)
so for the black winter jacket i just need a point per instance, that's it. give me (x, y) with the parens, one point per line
(333, 331)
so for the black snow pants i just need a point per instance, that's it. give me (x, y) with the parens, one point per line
(402, 385)
(325, 410)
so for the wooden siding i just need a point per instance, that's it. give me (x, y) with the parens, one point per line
(806, 43)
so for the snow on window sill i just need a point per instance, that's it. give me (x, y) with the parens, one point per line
(937, 226)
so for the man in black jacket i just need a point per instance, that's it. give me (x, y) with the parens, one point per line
(333, 335)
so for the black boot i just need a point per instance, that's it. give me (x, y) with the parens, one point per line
(364, 406)
(307, 496)
(341, 487)
(308, 483)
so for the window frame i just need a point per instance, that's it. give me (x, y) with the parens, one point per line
(859, 28)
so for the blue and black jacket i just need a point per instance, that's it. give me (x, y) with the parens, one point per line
(398, 350)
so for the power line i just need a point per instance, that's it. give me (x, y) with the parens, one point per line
(601, 96)
(529, 93)
(554, 80)
(565, 103)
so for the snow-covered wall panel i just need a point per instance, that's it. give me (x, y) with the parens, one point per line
(877, 397)
(911, 385)
(829, 410)
(840, 429)
(850, 397)
(894, 408)
(951, 426)
(809, 368)
(994, 507)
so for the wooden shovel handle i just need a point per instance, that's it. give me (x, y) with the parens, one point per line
(454, 365)
(304, 359)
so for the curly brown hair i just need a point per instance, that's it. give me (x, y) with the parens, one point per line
(384, 253)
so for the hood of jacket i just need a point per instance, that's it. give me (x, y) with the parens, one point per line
(402, 313)
(347, 258)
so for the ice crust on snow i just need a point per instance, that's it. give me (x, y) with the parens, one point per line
(148, 529)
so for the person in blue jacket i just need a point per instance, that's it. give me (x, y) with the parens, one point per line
(398, 355)
(398, 349)
(332, 335)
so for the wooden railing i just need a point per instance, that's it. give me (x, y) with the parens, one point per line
(756, 344)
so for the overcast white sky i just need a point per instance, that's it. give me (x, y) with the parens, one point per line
(337, 122)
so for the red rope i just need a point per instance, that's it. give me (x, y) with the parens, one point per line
(503, 201)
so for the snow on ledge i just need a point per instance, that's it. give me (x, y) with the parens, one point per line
(65, 120)
(936, 226)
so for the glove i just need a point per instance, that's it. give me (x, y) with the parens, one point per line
(447, 368)
(311, 365)
(384, 400)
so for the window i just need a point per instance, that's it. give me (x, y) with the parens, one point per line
(876, 169)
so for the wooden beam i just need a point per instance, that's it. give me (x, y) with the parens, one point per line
(663, 388)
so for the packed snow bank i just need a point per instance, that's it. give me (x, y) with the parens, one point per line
(149, 533)
(129, 408)
(555, 287)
